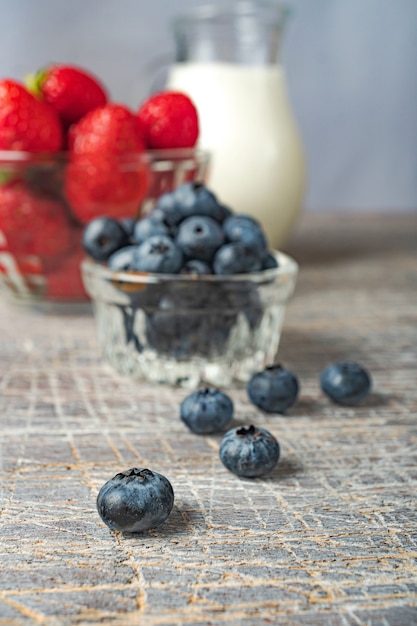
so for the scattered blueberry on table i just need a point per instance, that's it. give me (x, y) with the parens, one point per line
(207, 410)
(249, 451)
(135, 500)
(274, 390)
(346, 382)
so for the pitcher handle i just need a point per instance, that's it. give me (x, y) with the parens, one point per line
(151, 76)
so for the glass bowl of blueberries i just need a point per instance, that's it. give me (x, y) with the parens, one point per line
(191, 293)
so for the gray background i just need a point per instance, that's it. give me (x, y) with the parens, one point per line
(351, 66)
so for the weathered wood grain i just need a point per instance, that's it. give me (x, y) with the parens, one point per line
(329, 539)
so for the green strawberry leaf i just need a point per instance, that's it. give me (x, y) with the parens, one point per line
(6, 176)
(34, 82)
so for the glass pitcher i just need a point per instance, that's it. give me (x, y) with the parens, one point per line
(227, 60)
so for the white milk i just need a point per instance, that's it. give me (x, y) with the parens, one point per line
(247, 124)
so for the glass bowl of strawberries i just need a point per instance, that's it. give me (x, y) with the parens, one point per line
(190, 294)
(69, 154)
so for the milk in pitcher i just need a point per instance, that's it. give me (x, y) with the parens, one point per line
(247, 124)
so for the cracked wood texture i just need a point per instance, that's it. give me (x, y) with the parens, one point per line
(328, 539)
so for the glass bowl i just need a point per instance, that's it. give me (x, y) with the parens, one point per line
(45, 201)
(190, 329)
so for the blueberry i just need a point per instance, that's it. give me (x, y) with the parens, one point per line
(346, 382)
(129, 315)
(168, 209)
(158, 254)
(249, 451)
(216, 329)
(195, 266)
(242, 219)
(172, 329)
(192, 319)
(207, 410)
(227, 212)
(135, 500)
(122, 260)
(243, 298)
(247, 231)
(235, 258)
(128, 224)
(188, 295)
(274, 390)
(148, 227)
(160, 217)
(103, 236)
(269, 262)
(218, 319)
(190, 199)
(199, 237)
(195, 199)
(179, 321)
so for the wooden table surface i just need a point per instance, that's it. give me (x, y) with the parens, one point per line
(329, 539)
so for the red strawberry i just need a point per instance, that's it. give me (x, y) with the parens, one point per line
(27, 123)
(111, 129)
(72, 91)
(166, 180)
(65, 282)
(61, 281)
(106, 185)
(169, 119)
(23, 275)
(108, 173)
(31, 225)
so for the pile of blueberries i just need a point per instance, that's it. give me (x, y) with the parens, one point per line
(188, 232)
(139, 499)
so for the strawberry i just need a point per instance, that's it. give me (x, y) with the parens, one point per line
(70, 90)
(26, 123)
(111, 129)
(107, 173)
(23, 275)
(64, 282)
(166, 180)
(31, 225)
(56, 279)
(169, 119)
(105, 185)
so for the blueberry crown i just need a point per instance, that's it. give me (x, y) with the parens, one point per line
(274, 368)
(247, 431)
(207, 391)
(135, 474)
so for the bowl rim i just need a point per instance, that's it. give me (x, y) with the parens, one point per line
(21, 156)
(287, 268)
